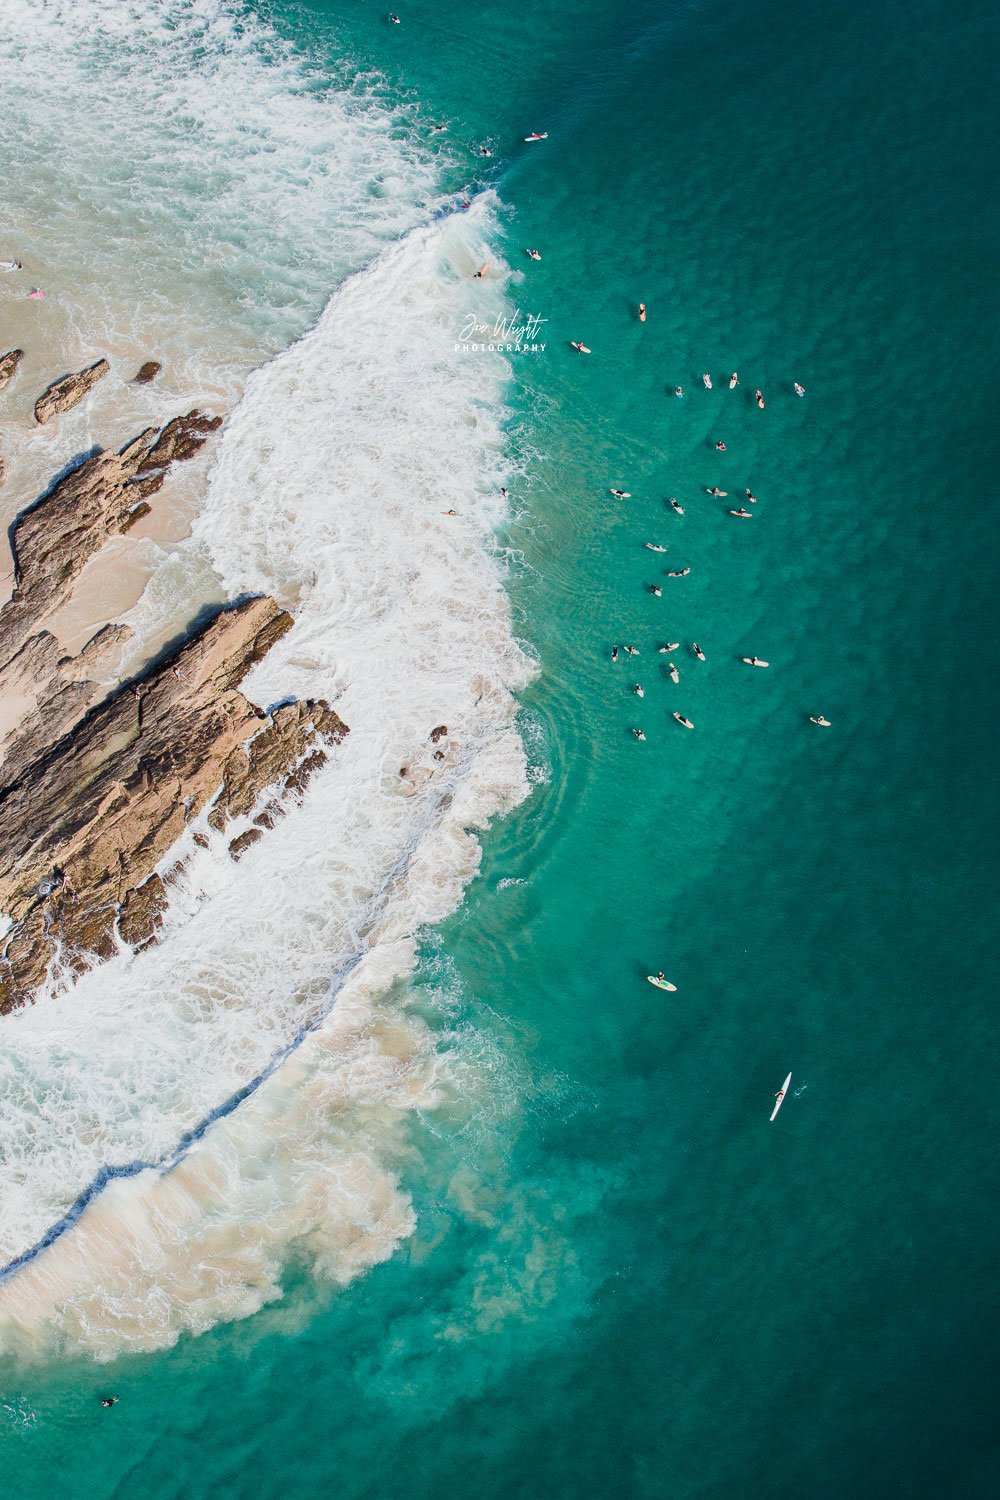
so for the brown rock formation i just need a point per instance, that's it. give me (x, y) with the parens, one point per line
(54, 540)
(83, 827)
(147, 372)
(180, 439)
(96, 787)
(8, 366)
(66, 393)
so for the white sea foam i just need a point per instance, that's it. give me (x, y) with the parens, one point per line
(183, 185)
(330, 489)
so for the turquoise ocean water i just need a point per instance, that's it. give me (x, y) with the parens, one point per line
(623, 1281)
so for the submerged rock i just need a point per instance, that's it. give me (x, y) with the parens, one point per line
(66, 393)
(147, 372)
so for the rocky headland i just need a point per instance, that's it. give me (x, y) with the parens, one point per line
(97, 783)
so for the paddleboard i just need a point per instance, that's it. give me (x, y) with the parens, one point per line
(664, 984)
(779, 1097)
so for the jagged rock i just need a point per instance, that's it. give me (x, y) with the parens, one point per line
(54, 539)
(147, 372)
(182, 438)
(240, 845)
(278, 750)
(84, 825)
(141, 913)
(439, 733)
(66, 393)
(3, 469)
(8, 366)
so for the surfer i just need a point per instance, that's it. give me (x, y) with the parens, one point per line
(34, 294)
(639, 690)
(734, 381)
(720, 447)
(632, 650)
(483, 151)
(449, 512)
(642, 312)
(699, 653)
(11, 265)
(719, 494)
(614, 653)
(675, 676)
(621, 494)
(660, 975)
(110, 1400)
(800, 390)
(751, 498)
(670, 646)
(678, 390)
(706, 381)
(758, 396)
(638, 734)
(743, 512)
(681, 720)
(393, 19)
(436, 128)
(819, 719)
(679, 573)
(580, 348)
(482, 272)
(654, 588)
(676, 505)
(654, 547)
(537, 135)
(503, 491)
(534, 254)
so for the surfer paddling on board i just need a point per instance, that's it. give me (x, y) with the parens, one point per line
(800, 390)
(642, 312)
(678, 390)
(534, 254)
(758, 396)
(734, 381)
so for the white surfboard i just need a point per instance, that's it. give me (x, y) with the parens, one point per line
(661, 984)
(779, 1097)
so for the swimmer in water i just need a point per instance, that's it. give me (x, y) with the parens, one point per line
(800, 390)
(678, 390)
(534, 254)
(436, 128)
(734, 381)
(706, 381)
(642, 312)
(751, 498)
(758, 396)
(720, 447)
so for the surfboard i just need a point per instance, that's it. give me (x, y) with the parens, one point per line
(779, 1097)
(664, 984)
(537, 135)
(752, 663)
